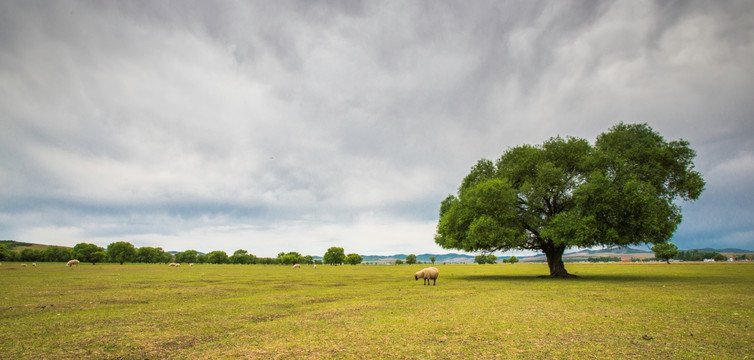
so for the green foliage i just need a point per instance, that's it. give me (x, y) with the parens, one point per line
(354, 259)
(89, 253)
(567, 193)
(398, 262)
(485, 259)
(5, 253)
(292, 258)
(334, 256)
(411, 259)
(30, 255)
(56, 254)
(695, 255)
(152, 255)
(432, 259)
(121, 252)
(188, 256)
(511, 260)
(665, 251)
(218, 257)
(242, 257)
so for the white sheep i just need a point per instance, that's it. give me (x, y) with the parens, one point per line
(191, 264)
(23, 265)
(34, 264)
(296, 266)
(315, 266)
(72, 263)
(430, 273)
(173, 264)
(177, 265)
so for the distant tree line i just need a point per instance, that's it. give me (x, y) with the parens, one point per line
(697, 255)
(123, 252)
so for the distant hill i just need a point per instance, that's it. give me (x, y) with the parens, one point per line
(583, 255)
(19, 246)
(439, 258)
(727, 251)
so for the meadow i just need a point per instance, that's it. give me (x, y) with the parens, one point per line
(132, 311)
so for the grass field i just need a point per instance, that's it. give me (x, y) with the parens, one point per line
(678, 311)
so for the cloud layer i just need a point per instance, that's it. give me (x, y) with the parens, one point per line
(290, 126)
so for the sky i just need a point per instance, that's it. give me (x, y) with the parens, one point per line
(277, 126)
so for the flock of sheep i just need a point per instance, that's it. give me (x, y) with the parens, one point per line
(430, 273)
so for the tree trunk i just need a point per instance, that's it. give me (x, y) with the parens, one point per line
(555, 262)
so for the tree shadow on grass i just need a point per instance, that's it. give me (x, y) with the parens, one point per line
(597, 278)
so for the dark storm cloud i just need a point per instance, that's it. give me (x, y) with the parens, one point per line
(296, 126)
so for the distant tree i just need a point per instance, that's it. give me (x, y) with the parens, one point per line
(218, 257)
(398, 262)
(91, 253)
(480, 259)
(242, 257)
(30, 255)
(623, 190)
(149, 255)
(411, 259)
(665, 251)
(5, 253)
(432, 259)
(334, 256)
(188, 256)
(309, 259)
(720, 257)
(291, 258)
(121, 252)
(56, 254)
(354, 259)
(202, 259)
(317, 262)
(511, 260)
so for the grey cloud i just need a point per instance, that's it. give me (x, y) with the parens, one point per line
(282, 118)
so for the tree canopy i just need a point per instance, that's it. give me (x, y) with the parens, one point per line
(334, 256)
(568, 193)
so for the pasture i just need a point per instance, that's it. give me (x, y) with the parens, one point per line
(110, 311)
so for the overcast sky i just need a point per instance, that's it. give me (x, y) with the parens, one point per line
(286, 126)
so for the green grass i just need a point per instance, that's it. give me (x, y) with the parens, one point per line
(679, 311)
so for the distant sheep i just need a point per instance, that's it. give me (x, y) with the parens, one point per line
(174, 264)
(191, 264)
(34, 264)
(177, 264)
(72, 263)
(430, 273)
(315, 266)
(23, 265)
(296, 266)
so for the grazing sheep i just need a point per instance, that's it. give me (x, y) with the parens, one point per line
(72, 263)
(296, 266)
(191, 264)
(23, 265)
(173, 264)
(177, 265)
(315, 266)
(430, 273)
(34, 264)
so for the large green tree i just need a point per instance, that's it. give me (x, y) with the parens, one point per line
(568, 193)
(354, 259)
(121, 252)
(334, 256)
(665, 251)
(86, 252)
